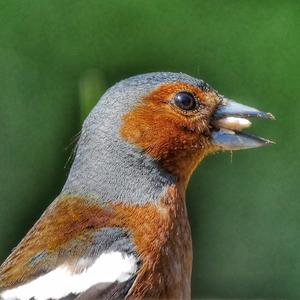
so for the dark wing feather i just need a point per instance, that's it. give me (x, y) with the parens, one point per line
(107, 291)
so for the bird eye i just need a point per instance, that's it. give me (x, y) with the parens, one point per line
(185, 101)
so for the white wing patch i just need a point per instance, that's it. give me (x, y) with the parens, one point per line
(109, 267)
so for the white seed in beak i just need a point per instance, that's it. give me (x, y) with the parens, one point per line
(233, 123)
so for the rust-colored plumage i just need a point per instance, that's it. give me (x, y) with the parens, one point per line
(161, 234)
(67, 218)
(125, 194)
(179, 140)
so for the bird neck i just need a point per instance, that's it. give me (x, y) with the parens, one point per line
(108, 168)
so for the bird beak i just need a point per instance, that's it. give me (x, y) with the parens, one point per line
(229, 119)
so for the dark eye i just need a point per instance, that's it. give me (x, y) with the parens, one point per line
(185, 101)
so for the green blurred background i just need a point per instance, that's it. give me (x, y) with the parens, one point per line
(57, 58)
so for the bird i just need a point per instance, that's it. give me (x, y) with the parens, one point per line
(119, 228)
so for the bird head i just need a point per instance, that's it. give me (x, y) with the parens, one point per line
(181, 119)
(171, 119)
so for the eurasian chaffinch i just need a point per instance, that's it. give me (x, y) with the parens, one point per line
(119, 228)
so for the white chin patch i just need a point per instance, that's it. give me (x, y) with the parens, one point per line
(109, 267)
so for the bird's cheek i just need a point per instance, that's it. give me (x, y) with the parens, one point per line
(199, 128)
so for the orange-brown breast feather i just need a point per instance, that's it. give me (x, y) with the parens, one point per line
(160, 232)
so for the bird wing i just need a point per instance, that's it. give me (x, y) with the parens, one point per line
(72, 251)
